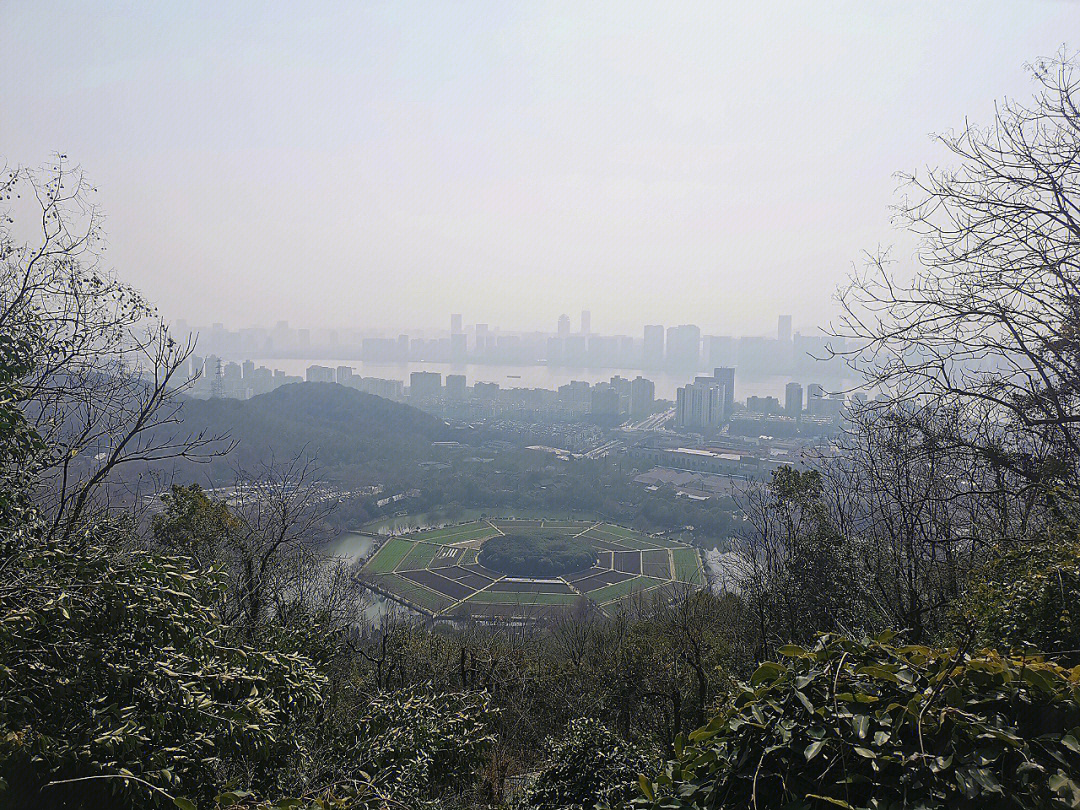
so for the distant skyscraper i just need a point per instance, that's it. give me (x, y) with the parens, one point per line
(815, 394)
(455, 324)
(564, 326)
(653, 355)
(425, 385)
(683, 347)
(642, 395)
(783, 329)
(726, 376)
(455, 386)
(721, 350)
(793, 399)
(586, 321)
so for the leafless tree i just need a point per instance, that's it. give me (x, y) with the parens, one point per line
(791, 565)
(990, 323)
(105, 387)
(272, 549)
(918, 511)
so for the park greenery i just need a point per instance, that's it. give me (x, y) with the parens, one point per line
(535, 555)
(896, 625)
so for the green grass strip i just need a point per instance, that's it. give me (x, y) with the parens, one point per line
(388, 556)
(619, 589)
(420, 556)
(688, 565)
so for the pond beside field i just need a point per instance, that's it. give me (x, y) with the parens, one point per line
(353, 545)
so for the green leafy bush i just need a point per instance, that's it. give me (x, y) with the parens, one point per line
(875, 725)
(587, 766)
(115, 671)
(1029, 598)
(418, 744)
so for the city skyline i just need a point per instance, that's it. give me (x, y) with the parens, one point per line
(456, 323)
(675, 349)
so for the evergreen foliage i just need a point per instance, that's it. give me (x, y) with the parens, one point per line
(588, 766)
(872, 724)
(1028, 598)
(116, 672)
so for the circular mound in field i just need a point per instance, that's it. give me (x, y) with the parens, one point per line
(538, 555)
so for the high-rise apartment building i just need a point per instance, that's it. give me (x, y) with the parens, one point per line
(586, 322)
(642, 396)
(320, 374)
(726, 377)
(604, 401)
(683, 347)
(455, 324)
(455, 386)
(783, 329)
(700, 405)
(793, 399)
(564, 326)
(425, 385)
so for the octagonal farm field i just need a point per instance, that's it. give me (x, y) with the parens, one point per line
(442, 572)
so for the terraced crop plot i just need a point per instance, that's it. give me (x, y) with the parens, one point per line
(530, 586)
(436, 572)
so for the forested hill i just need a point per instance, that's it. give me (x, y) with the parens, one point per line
(351, 433)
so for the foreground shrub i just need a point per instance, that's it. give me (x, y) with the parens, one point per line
(874, 725)
(1029, 598)
(588, 766)
(119, 683)
(418, 745)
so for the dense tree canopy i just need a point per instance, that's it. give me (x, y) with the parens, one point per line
(536, 555)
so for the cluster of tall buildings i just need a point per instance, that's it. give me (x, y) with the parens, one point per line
(214, 377)
(707, 402)
(682, 348)
(619, 397)
(345, 375)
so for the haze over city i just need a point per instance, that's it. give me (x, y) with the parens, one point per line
(493, 405)
(379, 165)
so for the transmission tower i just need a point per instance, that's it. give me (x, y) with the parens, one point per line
(217, 385)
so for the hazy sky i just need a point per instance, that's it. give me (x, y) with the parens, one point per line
(384, 164)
